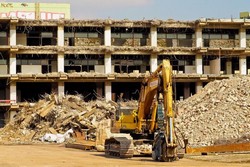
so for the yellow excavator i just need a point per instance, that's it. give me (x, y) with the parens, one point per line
(151, 123)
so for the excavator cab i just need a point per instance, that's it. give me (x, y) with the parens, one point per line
(126, 119)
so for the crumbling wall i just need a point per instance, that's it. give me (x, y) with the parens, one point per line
(132, 42)
(161, 42)
(218, 43)
(87, 42)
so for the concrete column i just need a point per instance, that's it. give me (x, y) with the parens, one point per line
(186, 90)
(12, 34)
(229, 66)
(198, 64)
(243, 41)
(198, 36)
(12, 63)
(60, 35)
(199, 86)
(153, 36)
(108, 91)
(215, 66)
(107, 63)
(107, 36)
(153, 62)
(243, 65)
(13, 92)
(60, 88)
(60, 62)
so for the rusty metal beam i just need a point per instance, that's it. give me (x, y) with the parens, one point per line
(219, 148)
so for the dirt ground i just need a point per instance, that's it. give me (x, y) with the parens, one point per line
(59, 156)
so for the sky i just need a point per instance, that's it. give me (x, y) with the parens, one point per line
(153, 9)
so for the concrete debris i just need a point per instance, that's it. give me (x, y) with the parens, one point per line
(144, 149)
(218, 114)
(55, 115)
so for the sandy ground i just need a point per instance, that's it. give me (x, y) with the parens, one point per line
(59, 156)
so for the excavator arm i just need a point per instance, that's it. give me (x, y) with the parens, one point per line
(155, 111)
(164, 146)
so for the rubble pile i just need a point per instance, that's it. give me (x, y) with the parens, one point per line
(56, 114)
(218, 114)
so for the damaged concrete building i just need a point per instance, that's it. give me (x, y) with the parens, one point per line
(109, 58)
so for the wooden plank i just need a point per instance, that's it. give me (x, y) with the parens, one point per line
(32, 134)
(74, 105)
(52, 130)
(47, 109)
(220, 148)
(87, 114)
(80, 146)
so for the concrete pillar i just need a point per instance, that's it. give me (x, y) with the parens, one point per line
(186, 90)
(13, 94)
(153, 36)
(229, 66)
(107, 63)
(12, 63)
(153, 62)
(60, 35)
(60, 88)
(108, 90)
(198, 64)
(243, 65)
(199, 86)
(215, 66)
(60, 62)
(198, 36)
(243, 41)
(107, 36)
(12, 34)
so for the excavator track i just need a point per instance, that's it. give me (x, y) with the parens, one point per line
(119, 147)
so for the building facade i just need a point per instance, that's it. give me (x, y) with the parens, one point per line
(109, 58)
